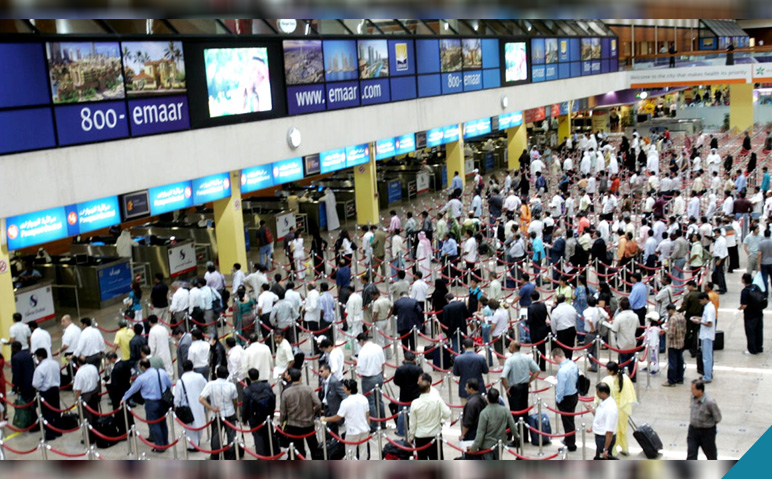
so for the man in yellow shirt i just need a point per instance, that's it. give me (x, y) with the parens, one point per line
(123, 338)
(712, 295)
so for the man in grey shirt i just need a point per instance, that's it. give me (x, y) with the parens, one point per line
(751, 245)
(283, 316)
(520, 370)
(765, 260)
(678, 259)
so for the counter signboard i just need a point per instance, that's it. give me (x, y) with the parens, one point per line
(176, 196)
(93, 215)
(357, 155)
(283, 224)
(394, 191)
(422, 182)
(404, 144)
(35, 228)
(114, 281)
(477, 127)
(211, 188)
(182, 259)
(510, 120)
(257, 178)
(332, 160)
(434, 137)
(312, 165)
(135, 205)
(287, 170)
(36, 304)
(384, 148)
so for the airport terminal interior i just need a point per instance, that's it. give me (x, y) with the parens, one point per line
(222, 151)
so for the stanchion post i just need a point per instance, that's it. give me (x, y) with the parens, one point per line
(87, 440)
(170, 417)
(501, 450)
(126, 423)
(438, 440)
(41, 421)
(269, 425)
(538, 423)
(218, 425)
(415, 338)
(635, 368)
(441, 351)
(305, 368)
(377, 395)
(324, 439)
(450, 387)
(521, 430)
(184, 436)
(134, 437)
(549, 352)
(43, 449)
(584, 442)
(292, 455)
(82, 419)
(648, 369)
(379, 435)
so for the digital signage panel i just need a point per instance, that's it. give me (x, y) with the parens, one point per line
(256, 178)
(509, 120)
(164, 199)
(564, 53)
(429, 85)
(340, 60)
(25, 83)
(135, 205)
(384, 148)
(537, 51)
(434, 137)
(84, 71)
(490, 53)
(35, 228)
(77, 124)
(477, 127)
(342, 95)
(153, 68)
(94, 215)
(373, 59)
(376, 91)
(450, 133)
(451, 56)
(402, 88)
(312, 165)
(551, 72)
(158, 115)
(211, 188)
(472, 53)
(427, 56)
(32, 129)
(332, 160)
(404, 144)
(287, 170)
(303, 62)
(401, 58)
(238, 81)
(550, 50)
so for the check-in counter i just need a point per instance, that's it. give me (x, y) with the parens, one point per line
(35, 302)
(170, 258)
(273, 210)
(99, 281)
(203, 238)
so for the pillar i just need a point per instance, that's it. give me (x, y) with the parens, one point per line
(7, 299)
(229, 228)
(741, 106)
(564, 128)
(517, 141)
(454, 157)
(366, 191)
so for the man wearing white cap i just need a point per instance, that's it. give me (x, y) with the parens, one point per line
(653, 332)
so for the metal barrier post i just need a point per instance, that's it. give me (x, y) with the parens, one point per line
(501, 450)
(439, 446)
(170, 416)
(324, 439)
(450, 387)
(415, 338)
(377, 396)
(81, 419)
(380, 442)
(292, 451)
(549, 353)
(648, 369)
(186, 454)
(538, 422)
(305, 368)
(218, 424)
(584, 442)
(134, 437)
(521, 430)
(87, 441)
(41, 421)
(635, 368)
(269, 425)
(126, 423)
(43, 450)
(441, 351)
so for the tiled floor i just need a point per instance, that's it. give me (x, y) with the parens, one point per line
(741, 385)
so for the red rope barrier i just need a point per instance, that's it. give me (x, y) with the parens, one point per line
(110, 438)
(168, 446)
(99, 414)
(409, 449)
(16, 451)
(524, 458)
(562, 413)
(26, 429)
(264, 458)
(244, 431)
(141, 419)
(352, 443)
(292, 436)
(64, 454)
(60, 431)
(190, 428)
(60, 411)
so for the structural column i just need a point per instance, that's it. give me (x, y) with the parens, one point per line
(229, 227)
(517, 142)
(7, 298)
(564, 128)
(741, 106)
(454, 157)
(366, 191)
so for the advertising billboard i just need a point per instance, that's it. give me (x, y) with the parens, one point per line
(238, 81)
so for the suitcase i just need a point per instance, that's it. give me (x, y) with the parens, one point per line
(647, 439)
(393, 453)
(533, 421)
(336, 451)
(68, 421)
(109, 427)
(447, 358)
(718, 344)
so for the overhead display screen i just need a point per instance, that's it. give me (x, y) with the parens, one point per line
(211, 188)
(93, 215)
(515, 62)
(448, 66)
(36, 228)
(257, 178)
(84, 71)
(373, 59)
(287, 170)
(177, 196)
(24, 130)
(238, 81)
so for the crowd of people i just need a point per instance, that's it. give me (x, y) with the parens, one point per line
(598, 244)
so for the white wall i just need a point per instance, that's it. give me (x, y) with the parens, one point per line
(46, 179)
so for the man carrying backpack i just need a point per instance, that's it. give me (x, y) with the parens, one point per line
(752, 303)
(259, 404)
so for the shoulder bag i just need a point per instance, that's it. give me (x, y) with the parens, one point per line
(184, 413)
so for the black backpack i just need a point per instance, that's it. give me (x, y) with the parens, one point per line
(757, 299)
(583, 385)
(261, 407)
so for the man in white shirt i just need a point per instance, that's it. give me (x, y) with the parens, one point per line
(40, 338)
(568, 163)
(557, 205)
(512, 203)
(470, 250)
(256, 280)
(625, 326)
(693, 210)
(604, 425)
(293, 297)
(563, 324)
(236, 362)
(537, 166)
(198, 353)
(179, 306)
(285, 359)
(265, 304)
(258, 356)
(85, 385)
(712, 161)
(707, 334)
(158, 340)
(237, 277)
(70, 337)
(355, 410)
(195, 301)
(223, 401)
(728, 206)
(427, 414)
(679, 205)
(311, 312)
(370, 365)
(91, 344)
(419, 289)
(19, 331)
(720, 254)
(46, 380)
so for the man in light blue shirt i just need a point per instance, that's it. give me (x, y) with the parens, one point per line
(638, 297)
(477, 205)
(739, 182)
(151, 384)
(456, 183)
(566, 394)
(765, 181)
(538, 255)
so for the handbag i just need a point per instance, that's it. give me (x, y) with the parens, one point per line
(167, 397)
(23, 417)
(129, 312)
(184, 413)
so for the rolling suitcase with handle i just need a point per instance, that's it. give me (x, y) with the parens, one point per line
(647, 439)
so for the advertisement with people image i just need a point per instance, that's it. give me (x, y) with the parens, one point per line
(238, 81)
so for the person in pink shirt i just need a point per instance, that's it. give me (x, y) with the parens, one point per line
(395, 224)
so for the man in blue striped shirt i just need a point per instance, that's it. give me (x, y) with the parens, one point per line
(566, 394)
(639, 294)
(151, 384)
